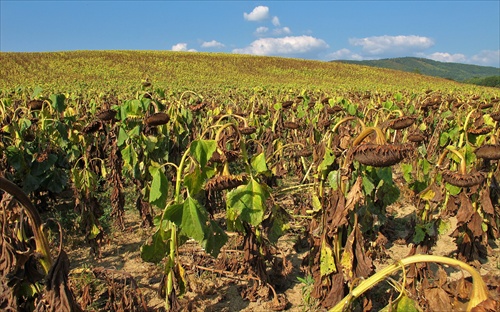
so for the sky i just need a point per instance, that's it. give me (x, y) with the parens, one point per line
(448, 31)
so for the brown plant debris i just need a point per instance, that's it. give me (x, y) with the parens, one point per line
(488, 152)
(402, 122)
(290, 125)
(35, 104)
(248, 130)
(219, 183)
(156, 119)
(303, 153)
(416, 137)
(479, 130)
(287, 104)
(495, 116)
(198, 106)
(463, 180)
(58, 296)
(92, 127)
(381, 155)
(106, 115)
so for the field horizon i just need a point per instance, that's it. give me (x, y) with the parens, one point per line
(120, 70)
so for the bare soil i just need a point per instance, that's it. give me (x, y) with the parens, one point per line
(218, 290)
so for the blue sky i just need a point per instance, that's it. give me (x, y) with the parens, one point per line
(449, 31)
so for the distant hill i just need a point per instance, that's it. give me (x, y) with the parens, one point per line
(454, 71)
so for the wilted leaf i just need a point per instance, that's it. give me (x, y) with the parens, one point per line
(475, 225)
(327, 261)
(57, 102)
(259, 163)
(466, 209)
(249, 201)
(159, 187)
(403, 304)
(157, 248)
(202, 150)
(485, 200)
(438, 299)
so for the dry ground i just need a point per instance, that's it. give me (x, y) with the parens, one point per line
(220, 291)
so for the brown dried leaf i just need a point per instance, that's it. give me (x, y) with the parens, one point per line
(355, 195)
(438, 299)
(488, 305)
(485, 201)
(337, 292)
(465, 211)
(58, 296)
(475, 225)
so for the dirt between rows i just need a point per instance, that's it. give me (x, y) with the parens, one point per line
(218, 290)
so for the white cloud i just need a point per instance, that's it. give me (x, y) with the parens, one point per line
(212, 44)
(487, 58)
(283, 46)
(344, 54)
(276, 21)
(282, 31)
(447, 57)
(261, 30)
(182, 47)
(392, 44)
(259, 13)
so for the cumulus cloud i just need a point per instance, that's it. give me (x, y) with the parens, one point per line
(212, 44)
(182, 47)
(447, 57)
(378, 45)
(487, 58)
(259, 13)
(344, 54)
(261, 30)
(282, 31)
(284, 46)
(276, 21)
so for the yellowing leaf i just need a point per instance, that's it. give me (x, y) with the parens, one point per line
(327, 265)
(427, 194)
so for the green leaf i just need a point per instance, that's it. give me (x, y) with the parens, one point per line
(453, 189)
(327, 262)
(122, 137)
(388, 193)
(428, 194)
(202, 150)
(129, 156)
(259, 163)
(36, 92)
(194, 181)
(352, 109)
(407, 170)
(249, 201)
(328, 159)
(215, 239)
(384, 174)
(443, 139)
(279, 220)
(403, 304)
(57, 102)
(193, 221)
(94, 231)
(156, 249)
(159, 187)
(368, 185)
(316, 203)
(419, 235)
(334, 179)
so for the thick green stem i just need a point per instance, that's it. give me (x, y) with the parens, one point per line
(479, 289)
